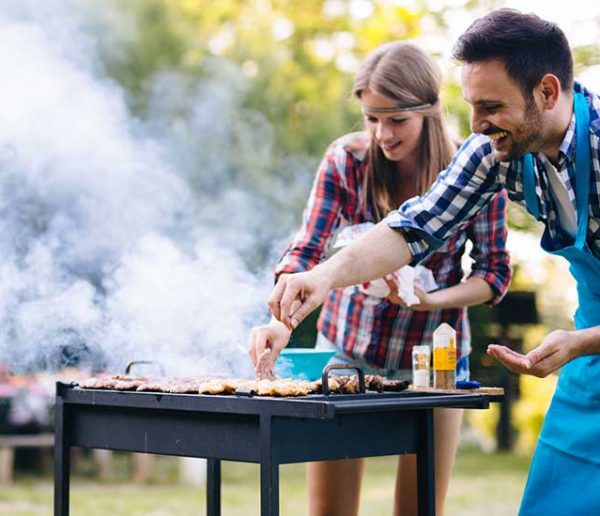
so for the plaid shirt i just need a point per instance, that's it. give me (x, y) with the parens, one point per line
(474, 175)
(373, 329)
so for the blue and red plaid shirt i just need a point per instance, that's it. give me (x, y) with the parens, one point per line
(373, 329)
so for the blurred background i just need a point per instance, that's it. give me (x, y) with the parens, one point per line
(155, 157)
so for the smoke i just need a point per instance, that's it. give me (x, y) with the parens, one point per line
(112, 246)
(204, 126)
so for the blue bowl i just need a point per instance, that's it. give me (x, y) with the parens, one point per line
(302, 363)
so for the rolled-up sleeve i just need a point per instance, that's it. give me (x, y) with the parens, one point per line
(459, 194)
(491, 258)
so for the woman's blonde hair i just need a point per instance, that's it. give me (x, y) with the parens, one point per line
(408, 77)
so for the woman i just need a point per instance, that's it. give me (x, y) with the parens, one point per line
(362, 177)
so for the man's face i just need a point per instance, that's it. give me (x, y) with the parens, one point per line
(500, 111)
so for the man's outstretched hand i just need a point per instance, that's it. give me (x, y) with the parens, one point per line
(555, 350)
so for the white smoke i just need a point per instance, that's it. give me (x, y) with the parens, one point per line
(106, 252)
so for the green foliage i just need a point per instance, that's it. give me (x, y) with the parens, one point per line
(585, 56)
(298, 57)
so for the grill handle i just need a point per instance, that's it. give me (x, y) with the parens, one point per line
(160, 366)
(325, 377)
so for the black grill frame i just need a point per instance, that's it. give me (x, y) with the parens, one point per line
(264, 430)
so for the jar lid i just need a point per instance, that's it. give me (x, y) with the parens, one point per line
(422, 348)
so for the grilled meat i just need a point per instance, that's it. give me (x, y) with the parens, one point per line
(157, 386)
(264, 387)
(285, 388)
(264, 370)
(374, 382)
(117, 382)
(395, 385)
(343, 384)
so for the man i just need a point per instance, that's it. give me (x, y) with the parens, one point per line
(537, 134)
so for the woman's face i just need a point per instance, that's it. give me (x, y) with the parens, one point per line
(397, 133)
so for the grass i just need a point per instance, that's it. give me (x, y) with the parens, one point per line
(489, 484)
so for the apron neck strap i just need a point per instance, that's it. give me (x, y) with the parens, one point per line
(531, 200)
(582, 166)
(582, 171)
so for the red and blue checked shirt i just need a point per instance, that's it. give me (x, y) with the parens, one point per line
(374, 329)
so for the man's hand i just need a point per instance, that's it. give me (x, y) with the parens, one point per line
(297, 295)
(555, 350)
(273, 336)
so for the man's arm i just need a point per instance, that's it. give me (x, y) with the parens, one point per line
(555, 350)
(378, 252)
(373, 255)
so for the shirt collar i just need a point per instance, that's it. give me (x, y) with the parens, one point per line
(566, 150)
(567, 147)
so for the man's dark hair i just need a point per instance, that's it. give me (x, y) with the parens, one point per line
(529, 47)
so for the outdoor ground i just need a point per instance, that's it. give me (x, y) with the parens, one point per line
(483, 484)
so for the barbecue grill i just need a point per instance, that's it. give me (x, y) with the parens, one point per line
(265, 430)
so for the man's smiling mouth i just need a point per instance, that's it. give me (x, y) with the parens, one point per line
(497, 136)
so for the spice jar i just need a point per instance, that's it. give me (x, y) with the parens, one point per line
(421, 359)
(444, 357)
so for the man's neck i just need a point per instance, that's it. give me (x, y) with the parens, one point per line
(558, 129)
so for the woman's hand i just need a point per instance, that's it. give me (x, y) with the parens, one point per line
(273, 336)
(426, 299)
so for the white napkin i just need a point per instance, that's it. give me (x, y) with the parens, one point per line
(405, 277)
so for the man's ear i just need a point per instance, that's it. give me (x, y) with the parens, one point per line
(547, 92)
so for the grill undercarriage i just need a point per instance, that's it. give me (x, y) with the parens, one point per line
(265, 430)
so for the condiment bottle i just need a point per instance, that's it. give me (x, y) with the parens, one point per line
(421, 359)
(444, 357)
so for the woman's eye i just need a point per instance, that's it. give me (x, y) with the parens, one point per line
(372, 119)
(398, 120)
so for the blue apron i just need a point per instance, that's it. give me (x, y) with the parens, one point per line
(564, 478)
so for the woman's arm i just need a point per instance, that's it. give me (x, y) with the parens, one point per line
(321, 217)
(473, 291)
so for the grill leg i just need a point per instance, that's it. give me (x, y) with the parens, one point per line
(62, 462)
(269, 489)
(426, 464)
(213, 487)
(269, 470)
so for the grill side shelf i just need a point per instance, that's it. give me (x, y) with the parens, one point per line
(473, 401)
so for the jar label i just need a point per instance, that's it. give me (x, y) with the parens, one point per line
(444, 359)
(421, 361)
